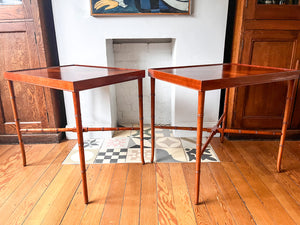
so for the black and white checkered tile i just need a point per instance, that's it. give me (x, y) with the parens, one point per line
(111, 155)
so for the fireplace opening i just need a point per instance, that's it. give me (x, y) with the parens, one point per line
(141, 54)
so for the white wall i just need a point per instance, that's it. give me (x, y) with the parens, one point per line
(143, 56)
(199, 39)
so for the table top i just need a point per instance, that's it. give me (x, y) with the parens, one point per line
(219, 76)
(74, 77)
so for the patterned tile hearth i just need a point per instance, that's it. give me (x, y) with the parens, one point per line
(124, 147)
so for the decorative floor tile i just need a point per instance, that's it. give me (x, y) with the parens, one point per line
(135, 143)
(91, 144)
(122, 133)
(134, 155)
(115, 155)
(190, 142)
(170, 155)
(208, 155)
(147, 133)
(119, 142)
(73, 157)
(163, 133)
(168, 142)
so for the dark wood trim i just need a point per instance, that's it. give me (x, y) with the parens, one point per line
(279, 12)
(32, 138)
(272, 25)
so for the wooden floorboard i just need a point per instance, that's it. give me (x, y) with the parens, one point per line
(130, 213)
(269, 202)
(22, 211)
(213, 198)
(183, 202)
(165, 197)
(94, 210)
(148, 209)
(201, 213)
(77, 207)
(31, 178)
(277, 189)
(232, 199)
(243, 188)
(114, 201)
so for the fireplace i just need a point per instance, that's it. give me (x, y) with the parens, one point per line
(183, 40)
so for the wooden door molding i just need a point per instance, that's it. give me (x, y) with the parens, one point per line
(254, 106)
(255, 11)
(295, 118)
(20, 52)
(252, 38)
(16, 12)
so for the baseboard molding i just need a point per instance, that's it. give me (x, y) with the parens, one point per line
(33, 138)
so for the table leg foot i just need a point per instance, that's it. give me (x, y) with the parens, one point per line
(222, 138)
(285, 122)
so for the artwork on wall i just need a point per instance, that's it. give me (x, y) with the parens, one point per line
(139, 7)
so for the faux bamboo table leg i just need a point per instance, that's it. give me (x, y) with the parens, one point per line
(76, 102)
(201, 97)
(140, 84)
(287, 112)
(17, 122)
(225, 114)
(152, 118)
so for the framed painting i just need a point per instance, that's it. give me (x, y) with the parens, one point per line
(139, 7)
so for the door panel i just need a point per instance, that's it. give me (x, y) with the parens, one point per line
(19, 51)
(262, 106)
(295, 121)
(287, 11)
(15, 10)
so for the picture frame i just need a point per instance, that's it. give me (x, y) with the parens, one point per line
(140, 7)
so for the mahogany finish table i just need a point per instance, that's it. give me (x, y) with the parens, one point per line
(75, 78)
(221, 76)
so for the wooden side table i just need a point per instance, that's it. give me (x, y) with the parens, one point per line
(221, 76)
(76, 78)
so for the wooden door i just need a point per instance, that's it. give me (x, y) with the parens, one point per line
(18, 50)
(261, 106)
(27, 40)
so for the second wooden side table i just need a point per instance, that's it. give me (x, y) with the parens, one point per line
(203, 78)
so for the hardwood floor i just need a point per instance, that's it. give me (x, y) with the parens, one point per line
(244, 188)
